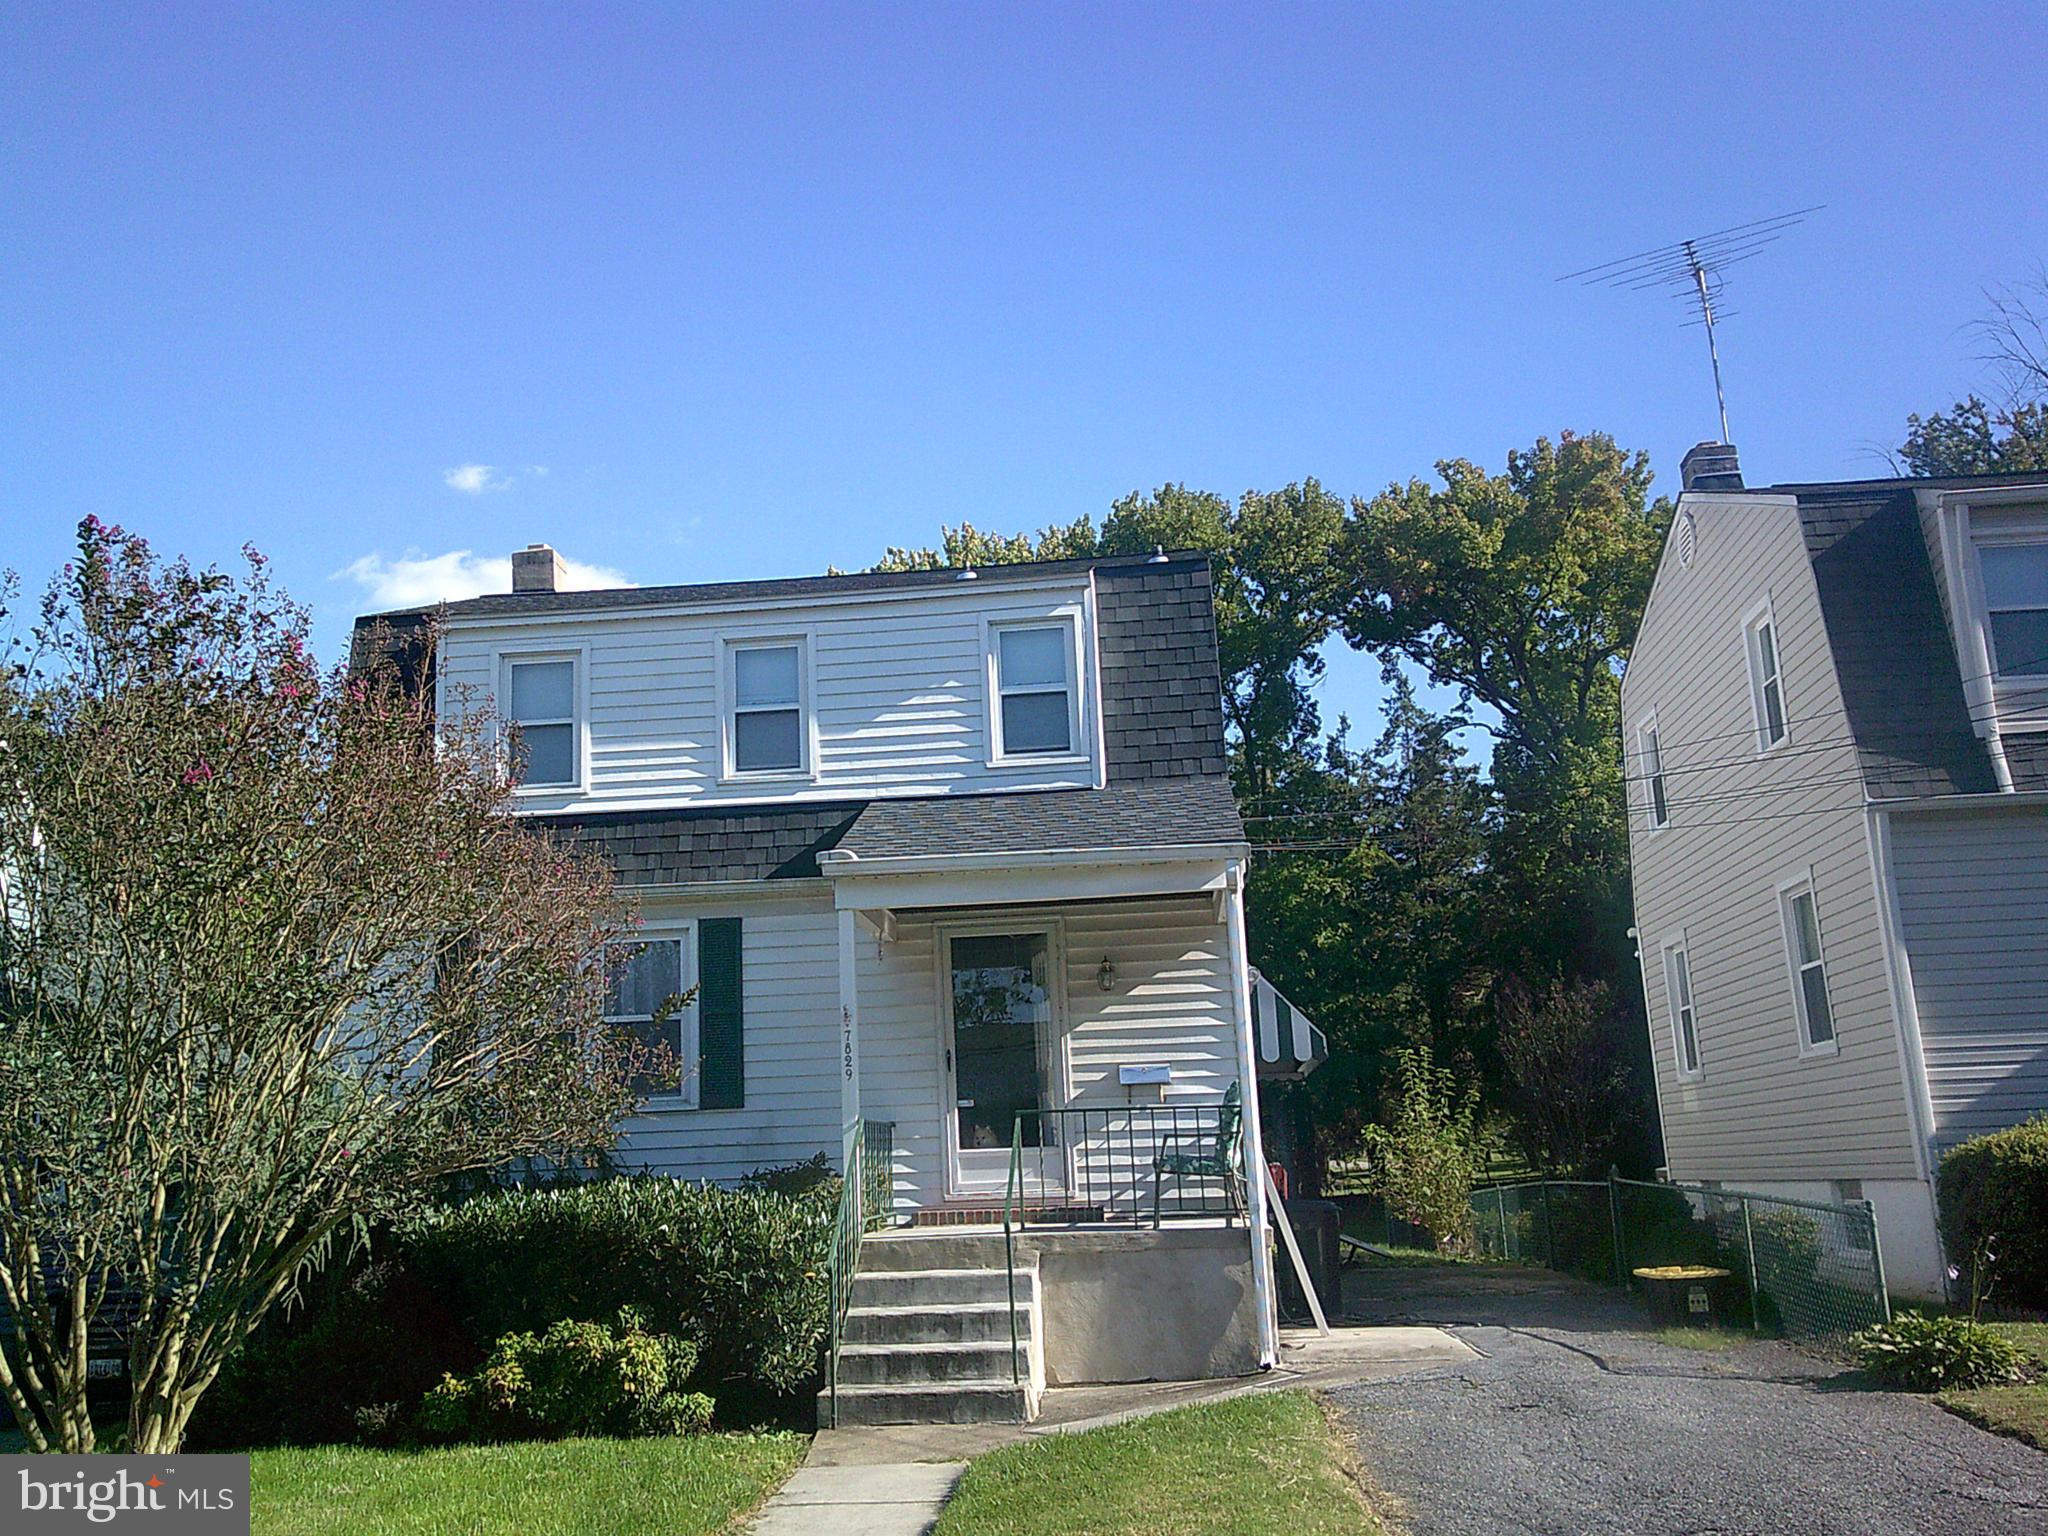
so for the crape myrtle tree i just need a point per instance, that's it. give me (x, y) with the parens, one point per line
(273, 962)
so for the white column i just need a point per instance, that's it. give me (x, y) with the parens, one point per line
(1254, 1136)
(849, 1020)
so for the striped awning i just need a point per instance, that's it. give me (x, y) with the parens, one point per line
(1289, 1044)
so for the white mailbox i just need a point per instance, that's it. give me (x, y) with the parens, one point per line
(1150, 1073)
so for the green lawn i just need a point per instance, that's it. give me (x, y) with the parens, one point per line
(655, 1487)
(1246, 1466)
(2019, 1409)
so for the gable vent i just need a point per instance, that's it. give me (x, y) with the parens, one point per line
(1688, 538)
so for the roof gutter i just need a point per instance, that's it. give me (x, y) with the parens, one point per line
(1989, 800)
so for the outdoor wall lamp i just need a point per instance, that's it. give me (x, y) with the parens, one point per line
(1106, 977)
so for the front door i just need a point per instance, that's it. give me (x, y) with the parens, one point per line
(1001, 1039)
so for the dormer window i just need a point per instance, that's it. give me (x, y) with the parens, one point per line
(1036, 709)
(540, 703)
(766, 721)
(2016, 605)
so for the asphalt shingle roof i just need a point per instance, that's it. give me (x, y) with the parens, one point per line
(1152, 813)
(1900, 686)
(684, 847)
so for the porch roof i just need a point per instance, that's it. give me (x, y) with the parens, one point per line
(1151, 814)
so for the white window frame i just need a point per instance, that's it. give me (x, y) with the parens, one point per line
(2026, 534)
(578, 656)
(1754, 623)
(1788, 889)
(1656, 784)
(689, 1048)
(730, 645)
(1676, 948)
(1078, 749)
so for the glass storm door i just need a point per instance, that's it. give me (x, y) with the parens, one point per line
(1000, 1031)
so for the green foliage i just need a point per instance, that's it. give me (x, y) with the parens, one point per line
(578, 1378)
(1920, 1353)
(1994, 1202)
(1973, 438)
(1561, 1056)
(1428, 1154)
(237, 1030)
(792, 1178)
(742, 1272)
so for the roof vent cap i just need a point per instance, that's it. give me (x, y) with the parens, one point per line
(1158, 556)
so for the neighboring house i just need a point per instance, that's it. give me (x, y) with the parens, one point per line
(1837, 745)
(952, 861)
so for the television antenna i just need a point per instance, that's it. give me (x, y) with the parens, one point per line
(1692, 270)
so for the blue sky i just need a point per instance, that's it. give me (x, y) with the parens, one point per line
(747, 291)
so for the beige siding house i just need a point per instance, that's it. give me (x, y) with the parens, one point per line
(1837, 743)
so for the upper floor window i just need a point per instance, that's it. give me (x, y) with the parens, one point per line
(540, 695)
(766, 730)
(1803, 954)
(1766, 684)
(646, 982)
(2016, 606)
(1036, 709)
(1685, 1034)
(1651, 758)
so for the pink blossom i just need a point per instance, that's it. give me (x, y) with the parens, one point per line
(199, 772)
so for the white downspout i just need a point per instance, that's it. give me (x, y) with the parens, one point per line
(1254, 1136)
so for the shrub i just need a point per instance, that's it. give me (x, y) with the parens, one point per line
(1994, 1190)
(578, 1378)
(742, 1273)
(792, 1178)
(1930, 1354)
(1427, 1157)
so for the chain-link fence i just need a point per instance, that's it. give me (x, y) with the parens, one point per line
(1799, 1268)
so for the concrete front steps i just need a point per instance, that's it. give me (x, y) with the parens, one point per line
(927, 1335)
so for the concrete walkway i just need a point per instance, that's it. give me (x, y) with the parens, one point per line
(886, 1499)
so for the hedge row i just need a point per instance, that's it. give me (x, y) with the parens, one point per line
(741, 1274)
(1994, 1201)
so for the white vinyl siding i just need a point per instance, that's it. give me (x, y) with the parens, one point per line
(1973, 917)
(1760, 1112)
(1171, 1004)
(899, 699)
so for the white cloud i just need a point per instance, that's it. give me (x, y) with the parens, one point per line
(475, 479)
(416, 580)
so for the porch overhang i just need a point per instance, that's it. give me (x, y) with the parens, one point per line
(1009, 877)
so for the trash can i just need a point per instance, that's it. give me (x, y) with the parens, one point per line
(1316, 1224)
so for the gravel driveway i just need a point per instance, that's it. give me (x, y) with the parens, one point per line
(1575, 1422)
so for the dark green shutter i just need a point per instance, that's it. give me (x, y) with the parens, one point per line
(721, 1030)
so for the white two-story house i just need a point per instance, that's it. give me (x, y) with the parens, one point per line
(1837, 744)
(948, 862)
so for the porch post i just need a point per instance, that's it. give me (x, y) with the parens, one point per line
(1254, 1138)
(849, 1020)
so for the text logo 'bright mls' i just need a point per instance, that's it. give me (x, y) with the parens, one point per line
(172, 1496)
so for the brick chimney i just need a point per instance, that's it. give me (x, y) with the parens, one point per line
(536, 568)
(1710, 467)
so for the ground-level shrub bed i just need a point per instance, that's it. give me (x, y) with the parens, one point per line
(739, 1274)
(662, 1487)
(1246, 1466)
